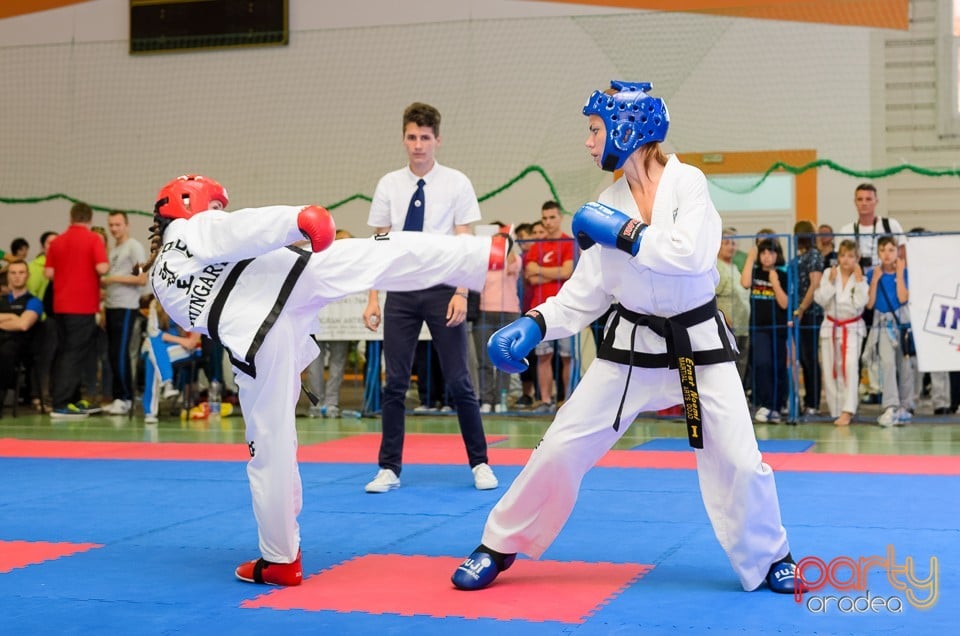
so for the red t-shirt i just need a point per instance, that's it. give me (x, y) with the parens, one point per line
(546, 254)
(74, 256)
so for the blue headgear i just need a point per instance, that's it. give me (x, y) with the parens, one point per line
(632, 118)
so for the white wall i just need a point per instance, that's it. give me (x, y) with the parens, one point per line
(319, 120)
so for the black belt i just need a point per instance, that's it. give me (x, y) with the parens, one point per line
(247, 364)
(679, 355)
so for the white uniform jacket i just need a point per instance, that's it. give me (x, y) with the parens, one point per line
(205, 259)
(673, 272)
(843, 305)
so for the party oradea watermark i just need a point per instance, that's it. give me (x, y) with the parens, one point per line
(866, 584)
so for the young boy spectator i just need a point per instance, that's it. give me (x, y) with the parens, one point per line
(888, 299)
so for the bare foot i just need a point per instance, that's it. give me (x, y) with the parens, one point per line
(843, 420)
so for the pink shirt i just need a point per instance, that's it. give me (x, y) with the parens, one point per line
(500, 290)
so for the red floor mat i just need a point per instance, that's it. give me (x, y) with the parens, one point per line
(18, 554)
(56, 449)
(422, 448)
(531, 590)
(418, 448)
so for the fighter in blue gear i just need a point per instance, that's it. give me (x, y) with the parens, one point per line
(649, 250)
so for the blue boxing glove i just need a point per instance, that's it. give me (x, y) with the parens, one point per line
(509, 346)
(598, 223)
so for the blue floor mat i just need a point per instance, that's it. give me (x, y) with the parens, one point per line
(172, 532)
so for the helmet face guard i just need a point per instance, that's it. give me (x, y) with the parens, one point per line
(632, 118)
(188, 195)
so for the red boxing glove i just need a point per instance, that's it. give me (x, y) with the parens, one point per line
(316, 224)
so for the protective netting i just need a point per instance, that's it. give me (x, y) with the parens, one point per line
(319, 120)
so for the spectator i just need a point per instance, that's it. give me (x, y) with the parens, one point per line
(809, 269)
(546, 265)
(528, 377)
(888, 298)
(19, 250)
(733, 300)
(865, 230)
(96, 379)
(825, 246)
(75, 262)
(19, 313)
(325, 389)
(424, 196)
(843, 294)
(122, 308)
(45, 333)
(499, 305)
(165, 345)
(763, 275)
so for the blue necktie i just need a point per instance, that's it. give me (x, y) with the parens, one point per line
(414, 220)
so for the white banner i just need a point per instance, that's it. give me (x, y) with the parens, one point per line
(933, 267)
(343, 320)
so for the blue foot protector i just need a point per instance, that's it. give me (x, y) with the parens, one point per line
(783, 575)
(480, 568)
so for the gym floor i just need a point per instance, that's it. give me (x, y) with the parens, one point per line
(108, 525)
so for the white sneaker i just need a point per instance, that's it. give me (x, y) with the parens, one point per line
(483, 477)
(889, 417)
(118, 407)
(332, 411)
(168, 391)
(315, 410)
(385, 481)
(486, 408)
(762, 415)
(150, 419)
(903, 416)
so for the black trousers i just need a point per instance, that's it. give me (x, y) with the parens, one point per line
(403, 316)
(76, 343)
(809, 348)
(14, 349)
(120, 324)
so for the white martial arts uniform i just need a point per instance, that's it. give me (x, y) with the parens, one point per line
(673, 272)
(231, 276)
(841, 335)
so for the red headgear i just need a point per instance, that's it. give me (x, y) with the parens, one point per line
(188, 195)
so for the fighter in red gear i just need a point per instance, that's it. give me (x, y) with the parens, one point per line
(238, 278)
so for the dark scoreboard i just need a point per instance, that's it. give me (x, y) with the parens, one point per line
(175, 25)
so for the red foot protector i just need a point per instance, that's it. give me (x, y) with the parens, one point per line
(18, 554)
(567, 592)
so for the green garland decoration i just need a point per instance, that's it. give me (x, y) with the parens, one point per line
(820, 163)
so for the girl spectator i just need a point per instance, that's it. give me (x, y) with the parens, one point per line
(764, 275)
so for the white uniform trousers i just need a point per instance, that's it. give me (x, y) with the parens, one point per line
(738, 489)
(407, 261)
(843, 391)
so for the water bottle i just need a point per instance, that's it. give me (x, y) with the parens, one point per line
(502, 407)
(347, 413)
(213, 397)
